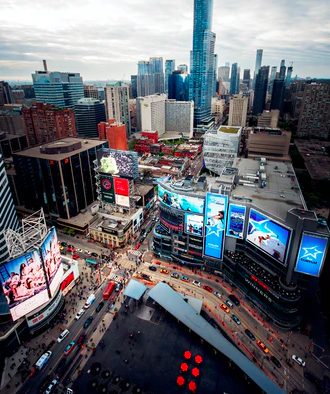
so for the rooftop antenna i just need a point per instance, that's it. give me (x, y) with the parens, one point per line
(45, 65)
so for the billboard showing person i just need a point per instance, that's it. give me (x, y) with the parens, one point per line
(194, 224)
(236, 219)
(180, 201)
(24, 284)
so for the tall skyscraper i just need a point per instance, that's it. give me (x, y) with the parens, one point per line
(277, 95)
(260, 90)
(238, 76)
(238, 106)
(134, 86)
(233, 79)
(288, 76)
(143, 79)
(282, 70)
(115, 133)
(258, 64)
(273, 73)
(223, 73)
(169, 68)
(58, 88)
(89, 112)
(116, 103)
(150, 112)
(202, 60)
(7, 211)
(157, 74)
(178, 86)
(183, 67)
(6, 96)
(247, 77)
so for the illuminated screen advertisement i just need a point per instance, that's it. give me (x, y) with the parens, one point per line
(121, 186)
(51, 255)
(268, 235)
(194, 224)
(311, 254)
(183, 202)
(215, 224)
(118, 162)
(236, 219)
(123, 201)
(24, 285)
(107, 189)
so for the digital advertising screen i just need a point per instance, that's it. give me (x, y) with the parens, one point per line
(183, 202)
(51, 256)
(24, 284)
(236, 219)
(107, 189)
(121, 186)
(194, 224)
(123, 201)
(118, 162)
(311, 254)
(215, 224)
(268, 235)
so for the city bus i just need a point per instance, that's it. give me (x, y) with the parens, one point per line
(43, 360)
(109, 290)
(91, 261)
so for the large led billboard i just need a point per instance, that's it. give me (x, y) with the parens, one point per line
(123, 201)
(311, 254)
(51, 256)
(193, 224)
(180, 201)
(121, 186)
(118, 162)
(24, 284)
(107, 189)
(268, 235)
(215, 224)
(236, 219)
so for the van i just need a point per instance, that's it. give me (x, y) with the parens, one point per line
(89, 301)
(79, 314)
(64, 334)
(234, 299)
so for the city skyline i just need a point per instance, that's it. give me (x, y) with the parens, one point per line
(105, 41)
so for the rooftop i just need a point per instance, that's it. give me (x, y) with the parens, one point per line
(229, 129)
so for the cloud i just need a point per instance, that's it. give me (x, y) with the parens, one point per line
(105, 40)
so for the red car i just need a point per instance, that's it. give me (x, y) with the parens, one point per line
(137, 246)
(208, 288)
(71, 249)
(163, 271)
(75, 256)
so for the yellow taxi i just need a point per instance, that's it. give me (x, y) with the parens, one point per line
(263, 347)
(225, 308)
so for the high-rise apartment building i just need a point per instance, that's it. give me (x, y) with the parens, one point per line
(238, 106)
(115, 133)
(277, 95)
(260, 90)
(44, 123)
(11, 122)
(117, 103)
(178, 86)
(258, 64)
(201, 81)
(91, 92)
(183, 67)
(8, 217)
(169, 68)
(314, 118)
(58, 88)
(89, 112)
(150, 112)
(233, 79)
(6, 95)
(179, 116)
(247, 77)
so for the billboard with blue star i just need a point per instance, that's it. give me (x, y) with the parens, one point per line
(236, 219)
(311, 254)
(215, 223)
(268, 235)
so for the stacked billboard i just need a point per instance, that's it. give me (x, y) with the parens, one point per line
(107, 189)
(215, 224)
(117, 162)
(236, 219)
(193, 224)
(181, 201)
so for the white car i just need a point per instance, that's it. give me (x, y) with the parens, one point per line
(217, 294)
(64, 334)
(51, 387)
(78, 250)
(196, 283)
(87, 252)
(80, 313)
(298, 360)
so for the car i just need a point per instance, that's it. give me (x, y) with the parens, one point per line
(118, 287)
(234, 299)
(61, 365)
(275, 361)
(69, 348)
(72, 250)
(80, 313)
(61, 247)
(52, 386)
(164, 271)
(208, 288)
(157, 262)
(94, 254)
(137, 246)
(326, 383)
(313, 379)
(152, 268)
(236, 319)
(184, 279)
(142, 239)
(298, 360)
(87, 252)
(229, 303)
(225, 308)
(263, 347)
(175, 275)
(64, 244)
(75, 256)
(63, 335)
(81, 339)
(99, 307)
(104, 257)
(79, 250)
(196, 283)
(250, 335)
(217, 294)
(88, 321)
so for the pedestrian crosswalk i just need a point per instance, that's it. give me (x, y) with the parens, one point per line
(115, 277)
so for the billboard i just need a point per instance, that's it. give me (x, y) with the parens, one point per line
(236, 219)
(121, 186)
(123, 201)
(118, 162)
(311, 254)
(107, 189)
(180, 201)
(268, 235)
(24, 284)
(215, 224)
(51, 256)
(193, 224)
